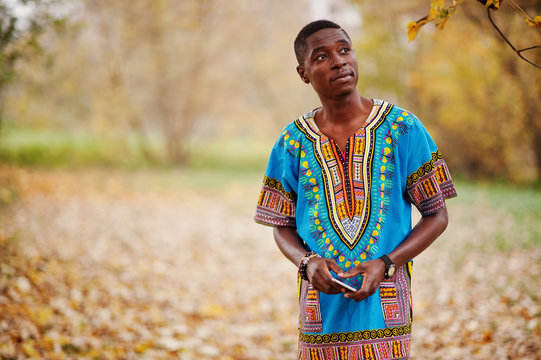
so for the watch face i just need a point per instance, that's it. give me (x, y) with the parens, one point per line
(391, 271)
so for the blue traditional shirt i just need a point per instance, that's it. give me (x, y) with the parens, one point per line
(354, 206)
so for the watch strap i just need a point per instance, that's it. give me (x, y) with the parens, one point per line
(386, 260)
(388, 265)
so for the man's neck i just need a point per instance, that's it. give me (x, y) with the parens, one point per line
(349, 110)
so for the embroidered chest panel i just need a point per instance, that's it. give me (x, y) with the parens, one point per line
(347, 177)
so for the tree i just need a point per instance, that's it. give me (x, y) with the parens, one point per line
(20, 35)
(439, 14)
(525, 82)
(164, 69)
(478, 99)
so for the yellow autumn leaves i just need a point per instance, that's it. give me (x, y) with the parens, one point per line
(439, 14)
(535, 22)
(110, 264)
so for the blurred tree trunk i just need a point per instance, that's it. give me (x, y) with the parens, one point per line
(163, 92)
(177, 110)
(119, 104)
(157, 52)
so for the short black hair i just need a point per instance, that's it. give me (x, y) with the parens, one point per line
(300, 41)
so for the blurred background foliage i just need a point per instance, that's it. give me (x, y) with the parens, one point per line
(164, 82)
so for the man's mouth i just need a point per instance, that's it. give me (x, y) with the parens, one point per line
(343, 77)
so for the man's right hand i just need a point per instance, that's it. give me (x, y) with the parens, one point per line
(317, 270)
(318, 273)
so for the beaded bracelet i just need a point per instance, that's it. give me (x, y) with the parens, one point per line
(304, 263)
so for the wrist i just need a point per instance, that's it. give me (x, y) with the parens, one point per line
(390, 267)
(304, 264)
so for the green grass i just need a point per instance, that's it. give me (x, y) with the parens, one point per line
(54, 148)
(519, 200)
(519, 204)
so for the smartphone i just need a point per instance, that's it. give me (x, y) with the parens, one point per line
(350, 288)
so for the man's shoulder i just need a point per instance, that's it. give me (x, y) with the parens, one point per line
(291, 131)
(296, 126)
(395, 111)
(401, 122)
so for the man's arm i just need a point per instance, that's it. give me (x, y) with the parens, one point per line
(317, 270)
(423, 234)
(428, 229)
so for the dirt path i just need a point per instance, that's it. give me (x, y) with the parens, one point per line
(129, 265)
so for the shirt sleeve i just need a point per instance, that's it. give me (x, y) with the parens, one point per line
(428, 182)
(277, 201)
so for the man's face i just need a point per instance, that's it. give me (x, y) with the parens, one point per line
(330, 64)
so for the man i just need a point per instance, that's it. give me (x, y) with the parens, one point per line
(338, 189)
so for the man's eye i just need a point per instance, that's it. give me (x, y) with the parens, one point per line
(345, 50)
(321, 57)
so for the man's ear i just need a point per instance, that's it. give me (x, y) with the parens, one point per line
(300, 71)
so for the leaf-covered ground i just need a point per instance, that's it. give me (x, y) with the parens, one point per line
(139, 265)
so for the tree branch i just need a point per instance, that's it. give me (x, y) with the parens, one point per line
(518, 52)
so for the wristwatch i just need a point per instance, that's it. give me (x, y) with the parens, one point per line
(390, 267)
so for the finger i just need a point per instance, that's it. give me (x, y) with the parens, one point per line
(359, 269)
(335, 288)
(357, 296)
(328, 287)
(368, 288)
(333, 285)
(321, 279)
(331, 263)
(354, 296)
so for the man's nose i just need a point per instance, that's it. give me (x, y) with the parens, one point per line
(337, 60)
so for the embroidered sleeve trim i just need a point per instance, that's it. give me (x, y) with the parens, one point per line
(425, 169)
(430, 185)
(275, 207)
(276, 184)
